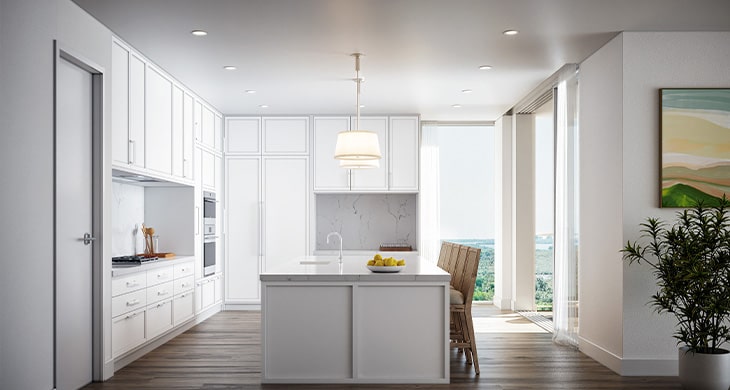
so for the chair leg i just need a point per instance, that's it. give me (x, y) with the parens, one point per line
(472, 340)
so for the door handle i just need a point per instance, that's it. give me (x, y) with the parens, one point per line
(88, 238)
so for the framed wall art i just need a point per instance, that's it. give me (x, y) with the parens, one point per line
(695, 136)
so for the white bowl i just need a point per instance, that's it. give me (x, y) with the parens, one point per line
(394, 268)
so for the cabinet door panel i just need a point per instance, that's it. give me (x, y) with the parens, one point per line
(159, 318)
(218, 133)
(182, 308)
(244, 212)
(198, 120)
(136, 111)
(328, 176)
(242, 135)
(285, 135)
(373, 179)
(285, 209)
(188, 138)
(208, 166)
(404, 144)
(207, 294)
(158, 104)
(120, 104)
(177, 132)
(208, 127)
(127, 332)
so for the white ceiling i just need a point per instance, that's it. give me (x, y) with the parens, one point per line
(419, 54)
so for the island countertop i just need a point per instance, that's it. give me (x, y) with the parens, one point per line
(354, 268)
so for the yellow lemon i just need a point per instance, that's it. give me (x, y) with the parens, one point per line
(378, 263)
(402, 262)
(378, 257)
(390, 262)
(371, 262)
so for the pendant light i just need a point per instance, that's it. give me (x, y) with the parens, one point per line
(357, 149)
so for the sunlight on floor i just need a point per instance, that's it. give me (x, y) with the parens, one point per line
(505, 322)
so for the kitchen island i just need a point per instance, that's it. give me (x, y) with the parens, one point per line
(325, 322)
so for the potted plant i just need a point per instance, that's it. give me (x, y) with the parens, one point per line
(691, 262)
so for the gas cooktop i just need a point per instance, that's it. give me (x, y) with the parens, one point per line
(131, 260)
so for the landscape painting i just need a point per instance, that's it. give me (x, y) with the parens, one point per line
(695, 126)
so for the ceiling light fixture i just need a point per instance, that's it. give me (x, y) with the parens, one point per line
(264, 105)
(456, 105)
(485, 67)
(466, 91)
(250, 91)
(353, 147)
(510, 32)
(199, 33)
(229, 67)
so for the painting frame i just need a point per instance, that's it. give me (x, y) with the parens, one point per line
(694, 126)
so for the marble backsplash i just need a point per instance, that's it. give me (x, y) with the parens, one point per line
(127, 212)
(366, 220)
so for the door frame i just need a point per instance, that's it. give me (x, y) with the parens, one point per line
(63, 52)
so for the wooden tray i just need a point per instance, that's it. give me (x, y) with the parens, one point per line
(162, 255)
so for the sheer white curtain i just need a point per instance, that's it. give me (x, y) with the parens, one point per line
(565, 289)
(430, 242)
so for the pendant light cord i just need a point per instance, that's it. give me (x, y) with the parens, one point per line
(357, 80)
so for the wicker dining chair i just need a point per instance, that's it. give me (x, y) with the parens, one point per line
(463, 278)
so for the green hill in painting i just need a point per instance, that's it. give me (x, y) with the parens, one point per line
(681, 195)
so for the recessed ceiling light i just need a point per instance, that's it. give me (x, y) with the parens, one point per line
(264, 105)
(229, 67)
(510, 32)
(485, 67)
(362, 106)
(251, 91)
(199, 33)
(456, 105)
(466, 91)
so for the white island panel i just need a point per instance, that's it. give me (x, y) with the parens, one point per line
(399, 337)
(307, 332)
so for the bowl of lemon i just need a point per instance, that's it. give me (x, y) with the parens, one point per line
(388, 264)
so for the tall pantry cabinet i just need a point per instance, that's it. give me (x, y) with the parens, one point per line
(267, 199)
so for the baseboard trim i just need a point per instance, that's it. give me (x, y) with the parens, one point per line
(628, 367)
(599, 354)
(242, 306)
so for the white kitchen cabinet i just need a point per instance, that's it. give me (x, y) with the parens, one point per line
(244, 213)
(208, 169)
(243, 135)
(285, 209)
(218, 133)
(159, 292)
(285, 135)
(159, 319)
(158, 111)
(207, 293)
(183, 307)
(372, 179)
(136, 111)
(188, 138)
(198, 120)
(120, 103)
(403, 150)
(127, 332)
(178, 132)
(267, 213)
(328, 176)
(218, 288)
(208, 127)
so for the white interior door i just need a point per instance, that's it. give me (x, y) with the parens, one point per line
(73, 219)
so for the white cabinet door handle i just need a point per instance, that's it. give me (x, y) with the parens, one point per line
(162, 292)
(161, 304)
(131, 316)
(132, 151)
(132, 284)
(133, 303)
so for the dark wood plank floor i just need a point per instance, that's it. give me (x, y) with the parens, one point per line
(224, 352)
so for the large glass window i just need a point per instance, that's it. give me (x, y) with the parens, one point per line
(544, 205)
(466, 195)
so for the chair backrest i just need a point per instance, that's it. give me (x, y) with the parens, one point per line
(444, 255)
(465, 271)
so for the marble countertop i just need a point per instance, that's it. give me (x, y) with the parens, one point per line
(125, 270)
(354, 268)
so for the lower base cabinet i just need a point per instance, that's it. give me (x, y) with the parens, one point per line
(127, 332)
(208, 292)
(183, 308)
(159, 319)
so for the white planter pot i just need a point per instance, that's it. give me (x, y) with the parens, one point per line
(702, 371)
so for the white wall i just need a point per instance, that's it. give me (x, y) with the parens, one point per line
(503, 212)
(600, 272)
(619, 141)
(27, 31)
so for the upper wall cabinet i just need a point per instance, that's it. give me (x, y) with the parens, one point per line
(267, 136)
(158, 110)
(399, 142)
(128, 99)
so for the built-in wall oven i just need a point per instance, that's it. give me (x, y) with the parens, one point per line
(210, 237)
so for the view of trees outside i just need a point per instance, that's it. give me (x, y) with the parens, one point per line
(544, 205)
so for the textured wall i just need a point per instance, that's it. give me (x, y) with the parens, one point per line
(127, 210)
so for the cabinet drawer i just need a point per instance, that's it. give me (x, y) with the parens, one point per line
(183, 307)
(128, 283)
(183, 284)
(159, 275)
(159, 318)
(159, 292)
(128, 302)
(127, 332)
(184, 269)
(207, 292)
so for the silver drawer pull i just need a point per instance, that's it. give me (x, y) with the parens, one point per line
(159, 276)
(183, 295)
(162, 292)
(184, 284)
(132, 284)
(131, 316)
(161, 304)
(132, 303)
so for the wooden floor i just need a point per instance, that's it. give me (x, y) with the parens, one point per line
(224, 353)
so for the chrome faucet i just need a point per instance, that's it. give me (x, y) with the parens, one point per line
(338, 235)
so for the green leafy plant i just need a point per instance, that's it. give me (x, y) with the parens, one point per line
(691, 262)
